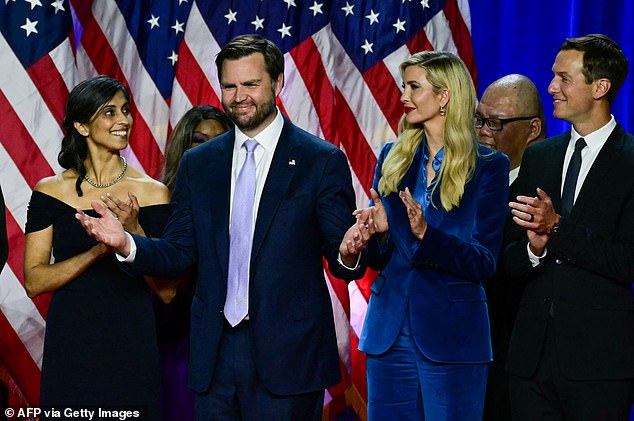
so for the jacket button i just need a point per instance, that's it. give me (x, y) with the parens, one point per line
(559, 261)
(547, 299)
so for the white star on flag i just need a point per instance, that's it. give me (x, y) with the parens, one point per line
(348, 9)
(399, 25)
(34, 3)
(285, 30)
(178, 27)
(58, 5)
(373, 17)
(258, 23)
(231, 16)
(316, 8)
(173, 58)
(29, 27)
(367, 47)
(153, 21)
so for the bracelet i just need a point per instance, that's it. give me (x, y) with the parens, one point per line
(555, 228)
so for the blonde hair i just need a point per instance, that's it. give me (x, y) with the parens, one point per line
(444, 71)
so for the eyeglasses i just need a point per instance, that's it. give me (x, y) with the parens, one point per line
(496, 124)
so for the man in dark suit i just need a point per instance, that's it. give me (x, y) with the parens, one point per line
(571, 354)
(263, 342)
(509, 117)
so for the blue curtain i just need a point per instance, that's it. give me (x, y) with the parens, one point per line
(524, 36)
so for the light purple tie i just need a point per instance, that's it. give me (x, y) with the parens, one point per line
(237, 301)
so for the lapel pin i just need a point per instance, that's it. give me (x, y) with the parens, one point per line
(291, 162)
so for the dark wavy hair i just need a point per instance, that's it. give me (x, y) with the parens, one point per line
(181, 138)
(83, 103)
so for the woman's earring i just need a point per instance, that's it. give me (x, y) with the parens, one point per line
(443, 110)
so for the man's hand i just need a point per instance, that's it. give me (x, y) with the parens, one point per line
(106, 229)
(538, 216)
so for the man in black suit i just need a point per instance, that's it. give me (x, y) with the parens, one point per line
(263, 343)
(509, 117)
(571, 354)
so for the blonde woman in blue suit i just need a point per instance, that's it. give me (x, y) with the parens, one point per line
(436, 229)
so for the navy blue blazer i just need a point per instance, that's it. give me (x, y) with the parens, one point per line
(437, 283)
(305, 209)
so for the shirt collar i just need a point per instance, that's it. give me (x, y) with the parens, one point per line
(267, 138)
(437, 162)
(597, 138)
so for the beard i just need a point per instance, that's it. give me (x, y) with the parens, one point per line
(246, 122)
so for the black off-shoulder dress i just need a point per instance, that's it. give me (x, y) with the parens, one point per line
(100, 348)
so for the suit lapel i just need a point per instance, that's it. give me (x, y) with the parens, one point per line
(285, 160)
(554, 179)
(398, 211)
(597, 176)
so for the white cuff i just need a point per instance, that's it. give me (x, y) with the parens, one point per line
(535, 260)
(130, 258)
(343, 264)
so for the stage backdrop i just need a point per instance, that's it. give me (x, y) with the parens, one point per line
(342, 83)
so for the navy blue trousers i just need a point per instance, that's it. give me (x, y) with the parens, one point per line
(237, 394)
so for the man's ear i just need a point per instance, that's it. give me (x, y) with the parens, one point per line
(601, 88)
(536, 127)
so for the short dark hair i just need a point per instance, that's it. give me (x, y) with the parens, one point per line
(602, 58)
(245, 45)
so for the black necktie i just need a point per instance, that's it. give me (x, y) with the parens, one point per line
(570, 184)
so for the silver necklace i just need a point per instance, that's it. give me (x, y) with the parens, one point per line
(113, 182)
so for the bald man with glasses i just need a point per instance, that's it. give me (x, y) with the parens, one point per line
(508, 118)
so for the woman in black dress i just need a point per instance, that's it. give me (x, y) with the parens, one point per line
(100, 347)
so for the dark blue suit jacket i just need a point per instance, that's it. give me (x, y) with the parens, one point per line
(305, 209)
(437, 283)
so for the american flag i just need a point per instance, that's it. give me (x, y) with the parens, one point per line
(341, 83)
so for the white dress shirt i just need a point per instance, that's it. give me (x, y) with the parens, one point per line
(594, 142)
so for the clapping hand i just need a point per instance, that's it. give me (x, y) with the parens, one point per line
(106, 228)
(126, 212)
(417, 221)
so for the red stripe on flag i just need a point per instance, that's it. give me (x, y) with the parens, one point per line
(105, 61)
(20, 146)
(308, 62)
(419, 42)
(462, 38)
(360, 155)
(19, 362)
(357, 374)
(192, 79)
(386, 92)
(340, 288)
(50, 84)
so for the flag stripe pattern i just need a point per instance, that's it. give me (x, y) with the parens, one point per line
(342, 83)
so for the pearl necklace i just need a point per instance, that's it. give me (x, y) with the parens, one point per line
(113, 182)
